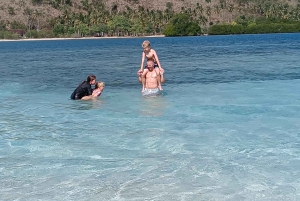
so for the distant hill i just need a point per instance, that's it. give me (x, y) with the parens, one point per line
(76, 16)
(218, 10)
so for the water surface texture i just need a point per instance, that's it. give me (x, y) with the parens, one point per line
(226, 127)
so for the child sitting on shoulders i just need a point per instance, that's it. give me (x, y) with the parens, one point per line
(150, 54)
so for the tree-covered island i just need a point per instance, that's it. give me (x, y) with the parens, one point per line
(85, 18)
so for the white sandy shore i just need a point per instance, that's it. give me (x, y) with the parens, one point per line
(106, 37)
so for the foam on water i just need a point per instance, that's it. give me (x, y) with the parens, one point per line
(226, 133)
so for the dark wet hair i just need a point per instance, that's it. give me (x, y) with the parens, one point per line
(91, 77)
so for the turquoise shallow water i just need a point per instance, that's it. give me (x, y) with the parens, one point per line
(225, 128)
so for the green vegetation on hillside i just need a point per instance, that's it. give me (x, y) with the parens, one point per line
(93, 18)
(255, 26)
(182, 25)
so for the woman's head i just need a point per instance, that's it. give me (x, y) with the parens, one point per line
(99, 85)
(91, 79)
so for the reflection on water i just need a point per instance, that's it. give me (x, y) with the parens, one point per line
(87, 104)
(97, 103)
(153, 105)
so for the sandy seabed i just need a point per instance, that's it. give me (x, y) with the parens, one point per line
(82, 38)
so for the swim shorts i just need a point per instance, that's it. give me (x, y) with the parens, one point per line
(148, 92)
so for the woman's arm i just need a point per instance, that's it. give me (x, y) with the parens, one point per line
(88, 93)
(87, 97)
(95, 93)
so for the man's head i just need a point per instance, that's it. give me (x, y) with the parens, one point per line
(150, 65)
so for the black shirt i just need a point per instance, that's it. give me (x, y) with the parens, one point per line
(82, 90)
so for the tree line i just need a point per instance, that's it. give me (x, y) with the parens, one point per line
(256, 26)
(96, 19)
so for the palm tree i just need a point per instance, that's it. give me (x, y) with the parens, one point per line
(159, 20)
(37, 15)
(208, 12)
(28, 12)
(217, 10)
(230, 9)
(202, 20)
(152, 17)
(199, 9)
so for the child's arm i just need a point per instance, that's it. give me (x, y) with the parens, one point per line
(143, 61)
(95, 93)
(157, 60)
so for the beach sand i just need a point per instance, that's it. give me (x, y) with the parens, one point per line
(82, 38)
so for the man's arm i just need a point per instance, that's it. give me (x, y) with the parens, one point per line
(144, 79)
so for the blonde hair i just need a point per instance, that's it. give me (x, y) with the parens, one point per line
(145, 44)
(99, 84)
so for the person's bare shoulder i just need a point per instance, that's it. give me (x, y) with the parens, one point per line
(153, 51)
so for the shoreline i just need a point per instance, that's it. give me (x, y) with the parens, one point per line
(82, 38)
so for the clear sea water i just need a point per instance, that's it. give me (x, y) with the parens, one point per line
(226, 128)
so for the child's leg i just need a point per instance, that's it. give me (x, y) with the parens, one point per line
(144, 79)
(162, 77)
(158, 78)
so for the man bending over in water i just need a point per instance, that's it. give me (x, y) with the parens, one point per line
(150, 80)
